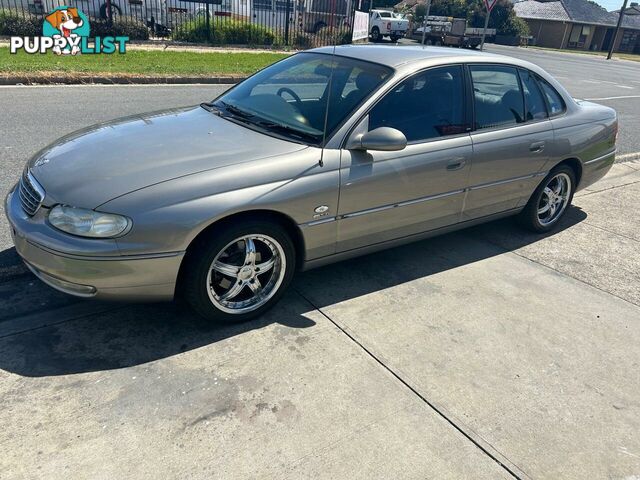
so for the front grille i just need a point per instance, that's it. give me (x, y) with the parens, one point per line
(31, 194)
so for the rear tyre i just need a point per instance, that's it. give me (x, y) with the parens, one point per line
(319, 26)
(238, 272)
(550, 200)
(438, 43)
(115, 12)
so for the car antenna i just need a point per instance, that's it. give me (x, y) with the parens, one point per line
(326, 111)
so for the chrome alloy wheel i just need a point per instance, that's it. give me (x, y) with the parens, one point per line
(246, 273)
(554, 199)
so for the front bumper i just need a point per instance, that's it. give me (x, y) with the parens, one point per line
(75, 270)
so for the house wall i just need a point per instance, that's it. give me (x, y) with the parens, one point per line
(598, 38)
(629, 48)
(588, 39)
(555, 34)
(549, 33)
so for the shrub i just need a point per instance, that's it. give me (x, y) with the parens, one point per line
(123, 27)
(516, 27)
(303, 40)
(324, 36)
(12, 23)
(226, 32)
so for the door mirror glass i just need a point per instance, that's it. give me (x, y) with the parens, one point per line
(384, 139)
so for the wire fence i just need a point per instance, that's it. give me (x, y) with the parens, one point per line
(296, 23)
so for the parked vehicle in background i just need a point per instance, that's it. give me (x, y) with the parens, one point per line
(159, 15)
(325, 155)
(314, 15)
(383, 23)
(451, 32)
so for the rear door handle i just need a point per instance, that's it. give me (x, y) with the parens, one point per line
(536, 147)
(456, 164)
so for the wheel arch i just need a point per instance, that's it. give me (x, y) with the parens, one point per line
(575, 165)
(285, 221)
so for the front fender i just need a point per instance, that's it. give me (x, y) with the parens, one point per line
(168, 216)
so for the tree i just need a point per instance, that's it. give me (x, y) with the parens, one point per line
(503, 18)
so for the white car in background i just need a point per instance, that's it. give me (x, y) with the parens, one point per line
(383, 23)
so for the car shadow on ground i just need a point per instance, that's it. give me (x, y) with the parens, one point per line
(127, 335)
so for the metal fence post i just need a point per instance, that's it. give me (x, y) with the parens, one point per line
(109, 12)
(424, 22)
(208, 21)
(286, 25)
(484, 32)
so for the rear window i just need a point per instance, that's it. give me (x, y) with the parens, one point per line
(535, 106)
(554, 99)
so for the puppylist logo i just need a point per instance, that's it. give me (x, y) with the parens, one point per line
(66, 31)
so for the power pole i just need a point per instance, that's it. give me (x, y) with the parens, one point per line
(615, 34)
(486, 24)
(424, 21)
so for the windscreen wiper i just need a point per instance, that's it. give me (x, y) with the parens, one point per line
(287, 129)
(236, 111)
(210, 107)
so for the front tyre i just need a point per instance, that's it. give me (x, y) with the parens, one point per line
(550, 200)
(238, 272)
(375, 34)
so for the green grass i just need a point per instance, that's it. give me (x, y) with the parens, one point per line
(138, 63)
(624, 56)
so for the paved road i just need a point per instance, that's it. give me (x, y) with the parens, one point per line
(488, 353)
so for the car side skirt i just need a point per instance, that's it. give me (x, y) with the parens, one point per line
(338, 257)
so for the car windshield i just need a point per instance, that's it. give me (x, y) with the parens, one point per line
(290, 97)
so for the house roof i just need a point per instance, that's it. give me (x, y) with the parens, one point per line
(578, 11)
(541, 10)
(631, 17)
(583, 11)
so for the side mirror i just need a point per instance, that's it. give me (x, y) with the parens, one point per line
(385, 139)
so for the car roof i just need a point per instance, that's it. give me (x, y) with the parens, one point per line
(397, 55)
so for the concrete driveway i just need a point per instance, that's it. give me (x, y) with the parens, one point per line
(488, 353)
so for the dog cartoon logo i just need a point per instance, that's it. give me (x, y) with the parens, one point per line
(66, 25)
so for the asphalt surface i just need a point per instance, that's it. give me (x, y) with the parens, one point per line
(488, 353)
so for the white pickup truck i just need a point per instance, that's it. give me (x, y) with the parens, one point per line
(383, 23)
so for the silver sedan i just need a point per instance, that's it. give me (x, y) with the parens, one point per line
(320, 157)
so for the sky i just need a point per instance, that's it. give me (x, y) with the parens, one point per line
(613, 4)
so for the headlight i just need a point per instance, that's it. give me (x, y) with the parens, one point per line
(87, 223)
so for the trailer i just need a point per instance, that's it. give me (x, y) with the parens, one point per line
(451, 32)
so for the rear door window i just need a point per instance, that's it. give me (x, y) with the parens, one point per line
(535, 106)
(498, 99)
